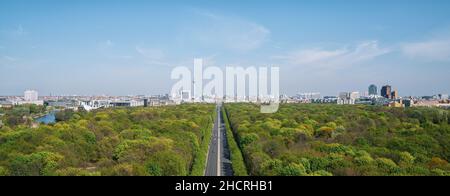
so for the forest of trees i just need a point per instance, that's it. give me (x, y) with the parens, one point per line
(300, 139)
(20, 115)
(313, 139)
(156, 141)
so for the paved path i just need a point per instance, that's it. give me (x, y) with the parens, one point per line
(218, 162)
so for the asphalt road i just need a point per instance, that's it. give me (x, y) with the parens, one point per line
(218, 162)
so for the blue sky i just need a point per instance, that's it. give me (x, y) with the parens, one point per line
(130, 47)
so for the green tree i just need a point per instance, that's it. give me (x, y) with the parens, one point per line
(36, 164)
(166, 163)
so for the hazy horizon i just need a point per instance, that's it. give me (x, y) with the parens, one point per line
(108, 47)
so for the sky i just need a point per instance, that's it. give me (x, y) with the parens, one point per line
(97, 47)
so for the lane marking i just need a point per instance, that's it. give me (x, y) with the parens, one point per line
(218, 143)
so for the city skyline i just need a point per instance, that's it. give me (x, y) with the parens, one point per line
(372, 90)
(108, 48)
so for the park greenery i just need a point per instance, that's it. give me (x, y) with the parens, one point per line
(237, 159)
(298, 140)
(157, 141)
(342, 140)
(21, 115)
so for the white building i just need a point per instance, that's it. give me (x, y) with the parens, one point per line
(308, 96)
(127, 103)
(30, 95)
(347, 98)
(354, 95)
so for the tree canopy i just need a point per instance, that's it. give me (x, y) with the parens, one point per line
(320, 139)
(117, 141)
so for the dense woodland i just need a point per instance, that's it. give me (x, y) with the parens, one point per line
(313, 139)
(300, 139)
(20, 115)
(121, 141)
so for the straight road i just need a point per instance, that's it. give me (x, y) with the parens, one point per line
(218, 162)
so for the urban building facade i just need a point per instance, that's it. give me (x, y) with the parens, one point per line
(347, 98)
(29, 97)
(386, 91)
(394, 94)
(373, 90)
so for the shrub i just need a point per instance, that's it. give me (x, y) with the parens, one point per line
(387, 165)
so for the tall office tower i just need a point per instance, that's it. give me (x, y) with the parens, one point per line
(394, 94)
(145, 102)
(31, 95)
(386, 92)
(373, 89)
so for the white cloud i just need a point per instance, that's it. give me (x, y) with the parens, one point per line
(229, 32)
(431, 50)
(122, 57)
(7, 60)
(109, 50)
(336, 58)
(310, 56)
(151, 55)
(150, 52)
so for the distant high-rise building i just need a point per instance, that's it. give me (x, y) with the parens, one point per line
(373, 90)
(145, 102)
(386, 92)
(394, 94)
(30, 95)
